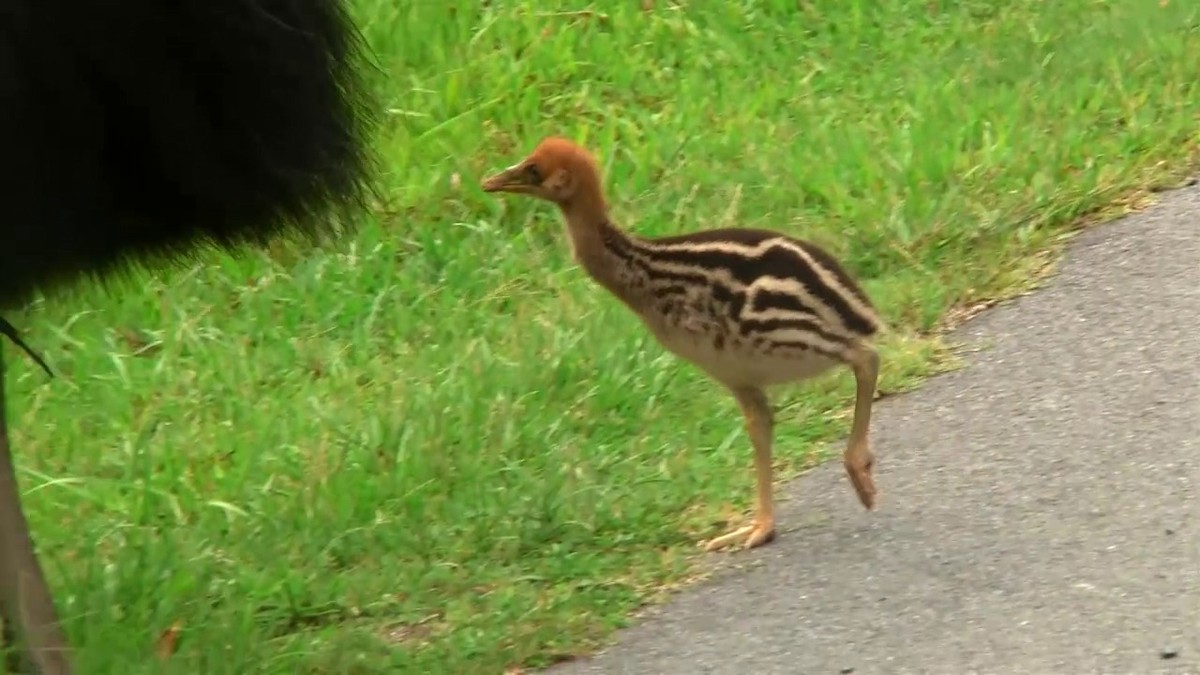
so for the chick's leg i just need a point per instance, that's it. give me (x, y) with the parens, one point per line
(858, 458)
(756, 410)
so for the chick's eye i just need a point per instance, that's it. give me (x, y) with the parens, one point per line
(535, 176)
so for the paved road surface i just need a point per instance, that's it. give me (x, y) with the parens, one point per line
(1038, 512)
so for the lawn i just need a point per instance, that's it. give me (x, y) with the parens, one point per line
(437, 447)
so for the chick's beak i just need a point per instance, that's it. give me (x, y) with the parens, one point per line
(508, 180)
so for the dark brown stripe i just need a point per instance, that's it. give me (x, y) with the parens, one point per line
(824, 259)
(630, 253)
(669, 291)
(765, 300)
(735, 301)
(805, 347)
(763, 326)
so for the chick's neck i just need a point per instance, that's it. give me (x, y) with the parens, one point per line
(597, 243)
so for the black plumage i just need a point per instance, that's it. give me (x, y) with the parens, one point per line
(137, 130)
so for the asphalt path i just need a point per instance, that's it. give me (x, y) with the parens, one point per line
(1038, 509)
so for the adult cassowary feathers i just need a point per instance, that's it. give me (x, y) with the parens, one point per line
(136, 129)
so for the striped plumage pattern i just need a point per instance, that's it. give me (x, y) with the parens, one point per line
(749, 289)
(752, 308)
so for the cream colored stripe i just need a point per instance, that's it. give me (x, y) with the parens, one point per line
(803, 337)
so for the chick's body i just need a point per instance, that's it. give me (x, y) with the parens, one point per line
(751, 308)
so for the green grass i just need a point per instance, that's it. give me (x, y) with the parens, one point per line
(438, 447)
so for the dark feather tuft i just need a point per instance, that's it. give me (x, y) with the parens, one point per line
(141, 129)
